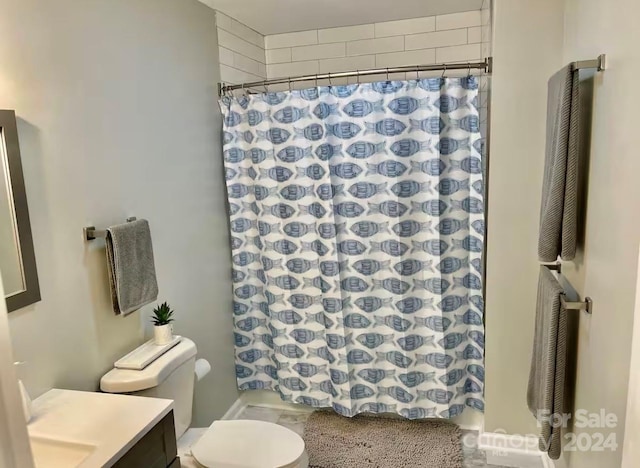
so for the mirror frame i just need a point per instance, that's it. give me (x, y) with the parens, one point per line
(9, 136)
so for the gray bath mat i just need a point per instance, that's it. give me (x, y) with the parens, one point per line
(333, 441)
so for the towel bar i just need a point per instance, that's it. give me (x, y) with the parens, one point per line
(586, 305)
(91, 233)
(599, 63)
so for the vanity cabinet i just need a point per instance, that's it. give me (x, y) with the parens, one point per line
(156, 449)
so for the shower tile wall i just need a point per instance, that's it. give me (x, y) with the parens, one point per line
(241, 51)
(246, 55)
(455, 37)
(485, 81)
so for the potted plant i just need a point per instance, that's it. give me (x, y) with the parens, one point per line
(162, 318)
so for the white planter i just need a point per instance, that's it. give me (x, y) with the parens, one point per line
(162, 334)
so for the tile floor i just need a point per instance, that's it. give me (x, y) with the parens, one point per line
(295, 419)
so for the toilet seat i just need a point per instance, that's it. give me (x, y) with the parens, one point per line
(248, 444)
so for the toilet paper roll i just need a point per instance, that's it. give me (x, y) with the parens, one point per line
(202, 368)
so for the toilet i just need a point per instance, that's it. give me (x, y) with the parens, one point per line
(225, 444)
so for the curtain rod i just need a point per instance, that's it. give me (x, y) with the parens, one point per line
(485, 66)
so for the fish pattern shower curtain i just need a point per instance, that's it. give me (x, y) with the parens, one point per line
(357, 224)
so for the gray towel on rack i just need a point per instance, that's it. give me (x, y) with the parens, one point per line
(132, 272)
(559, 208)
(545, 392)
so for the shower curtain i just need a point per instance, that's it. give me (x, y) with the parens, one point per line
(357, 225)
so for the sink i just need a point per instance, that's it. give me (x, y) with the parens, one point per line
(53, 453)
(71, 428)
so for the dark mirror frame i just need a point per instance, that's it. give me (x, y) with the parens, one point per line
(31, 294)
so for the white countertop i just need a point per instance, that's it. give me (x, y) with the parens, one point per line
(109, 424)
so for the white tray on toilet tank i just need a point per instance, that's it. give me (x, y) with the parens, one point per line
(145, 354)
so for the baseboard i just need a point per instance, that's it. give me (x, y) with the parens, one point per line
(512, 450)
(549, 463)
(470, 420)
(260, 398)
(269, 399)
(234, 410)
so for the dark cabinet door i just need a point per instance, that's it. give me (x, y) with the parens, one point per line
(157, 449)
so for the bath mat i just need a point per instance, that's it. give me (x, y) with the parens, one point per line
(333, 441)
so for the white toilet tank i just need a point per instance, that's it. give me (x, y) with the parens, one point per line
(171, 376)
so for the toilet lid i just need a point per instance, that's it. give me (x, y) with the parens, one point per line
(248, 444)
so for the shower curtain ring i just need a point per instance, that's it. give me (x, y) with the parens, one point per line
(329, 75)
(289, 84)
(417, 73)
(469, 70)
(316, 80)
(358, 76)
(387, 74)
(444, 70)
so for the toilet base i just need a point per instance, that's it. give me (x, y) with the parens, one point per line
(184, 446)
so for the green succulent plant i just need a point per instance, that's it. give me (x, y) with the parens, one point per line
(162, 315)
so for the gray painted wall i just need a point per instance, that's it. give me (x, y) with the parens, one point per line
(524, 33)
(606, 264)
(550, 34)
(116, 101)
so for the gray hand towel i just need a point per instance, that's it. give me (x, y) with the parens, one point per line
(132, 272)
(545, 392)
(559, 207)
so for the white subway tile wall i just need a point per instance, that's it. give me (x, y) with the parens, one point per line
(241, 51)
(321, 51)
(460, 53)
(437, 39)
(301, 38)
(335, 65)
(278, 55)
(402, 27)
(459, 20)
(458, 37)
(474, 35)
(485, 81)
(402, 59)
(376, 46)
(307, 67)
(349, 33)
